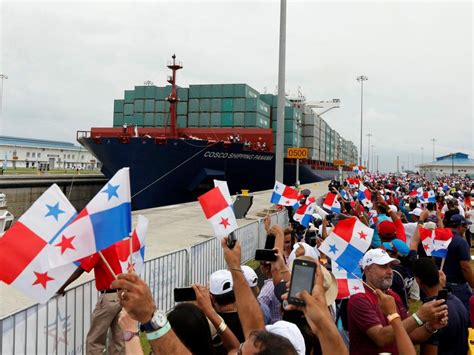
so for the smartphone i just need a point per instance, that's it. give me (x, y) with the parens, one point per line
(231, 239)
(442, 294)
(184, 294)
(302, 278)
(265, 255)
(270, 242)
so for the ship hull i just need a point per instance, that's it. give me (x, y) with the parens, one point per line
(179, 170)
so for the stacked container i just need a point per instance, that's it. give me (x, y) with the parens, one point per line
(311, 134)
(227, 105)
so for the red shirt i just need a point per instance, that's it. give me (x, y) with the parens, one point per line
(364, 313)
(103, 276)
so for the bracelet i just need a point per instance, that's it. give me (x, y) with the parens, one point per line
(417, 319)
(222, 328)
(157, 334)
(431, 331)
(236, 269)
(392, 316)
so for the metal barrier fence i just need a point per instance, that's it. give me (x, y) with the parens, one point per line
(60, 326)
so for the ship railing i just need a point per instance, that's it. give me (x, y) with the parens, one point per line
(83, 134)
(60, 326)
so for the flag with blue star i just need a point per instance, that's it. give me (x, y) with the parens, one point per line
(348, 283)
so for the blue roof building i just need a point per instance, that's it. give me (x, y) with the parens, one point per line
(451, 164)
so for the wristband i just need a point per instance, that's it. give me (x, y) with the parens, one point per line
(392, 316)
(417, 319)
(236, 269)
(157, 334)
(431, 331)
(222, 328)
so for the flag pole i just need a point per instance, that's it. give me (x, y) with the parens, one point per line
(365, 283)
(442, 264)
(130, 258)
(107, 264)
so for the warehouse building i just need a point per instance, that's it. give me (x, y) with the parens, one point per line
(451, 164)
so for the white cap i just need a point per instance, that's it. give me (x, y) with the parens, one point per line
(393, 208)
(250, 275)
(289, 331)
(377, 256)
(416, 212)
(220, 282)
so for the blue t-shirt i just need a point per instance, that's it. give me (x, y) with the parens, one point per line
(452, 339)
(458, 250)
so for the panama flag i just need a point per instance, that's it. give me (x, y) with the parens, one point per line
(413, 193)
(419, 192)
(222, 185)
(373, 217)
(358, 169)
(218, 212)
(345, 195)
(347, 243)
(284, 195)
(429, 196)
(426, 237)
(105, 220)
(364, 196)
(331, 203)
(24, 247)
(441, 241)
(348, 284)
(304, 214)
(138, 248)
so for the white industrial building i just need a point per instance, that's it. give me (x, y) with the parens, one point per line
(18, 152)
(451, 164)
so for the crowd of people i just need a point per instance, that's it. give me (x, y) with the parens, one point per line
(239, 312)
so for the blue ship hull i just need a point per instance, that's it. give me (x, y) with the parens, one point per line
(179, 170)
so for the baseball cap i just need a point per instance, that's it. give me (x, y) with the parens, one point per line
(386, 227)
(289, 331)
(377, 256)
(220, 282)
(398, 246)
(416, 212)
(250, 275)
(457, 219)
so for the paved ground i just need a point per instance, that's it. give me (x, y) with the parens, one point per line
(170, 228)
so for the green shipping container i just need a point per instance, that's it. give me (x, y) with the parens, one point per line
(138, 119)
(183, 94)
(194, 91)
(128, 109)
(182, 108)
(216, 105)
(291, 139)
(129, 96)
(239, 119)
(128, 119)
(160, 93)
(216, 90)
(159, 106)
(150, 92)
(267, 98)
(204, 105)
(167, 107)
(150, 105)
(228, 90)
(205, 91)
(159, 119)
(227, 105)
(204, 119)
(193, 105)
(290, 126)
(227, 119)
(193, 119)
(243, 90)
(149, 120)
(139, 106)
(118, 105)
(239, 105)
(118, 119)
(139, 92)
(215, 119)
(254, 119)
(182, 121)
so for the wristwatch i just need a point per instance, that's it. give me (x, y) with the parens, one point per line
(157, 321)
(128, 335)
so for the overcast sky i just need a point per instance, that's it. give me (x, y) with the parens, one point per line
(67, 61)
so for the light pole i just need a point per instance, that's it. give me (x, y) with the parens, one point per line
(2, 77)
(361, 79)
(299, 124)
(368, 151)
(372, 158)
(433, 140)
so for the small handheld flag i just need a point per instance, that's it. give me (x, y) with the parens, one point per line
(304, 214)
(284, 195)
(138, 248)
(331, 203)
(348, 284)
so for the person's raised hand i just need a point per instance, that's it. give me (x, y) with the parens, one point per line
(135, 296)
(126, 322)
(276, 230)
(231, 256)
(203, 298)
(267, 223)
(279, 263)
(386, 303)
(432, 311)
(300, 250)
(424, 215)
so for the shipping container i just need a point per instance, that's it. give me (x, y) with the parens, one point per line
(239, 105)
(127, 119)
(227, 90)
(227, 119)
(118, 119)
(193, 105)
(138, 119)
(129, 96)
(149, 105)
(150, 92)
(215, 119)
(310, 142)
(193, 119)
(243, 90)
(239, 119)
(139, 92)
(149, 120)
(254, 119)
(183, 94)
(216, 90)
(216, 105)
(160, 119)
(204, 105)
(205, 91)
(182, 108)
(118, 105)
(139, 105)
(310, 131)
(181, 121)
(204, 119)
(194, 92)
(227, 105)
(128, 109)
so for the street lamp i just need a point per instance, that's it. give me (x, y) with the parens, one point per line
(368, 151)
(433, 140)
(299, 124)
(361, 79)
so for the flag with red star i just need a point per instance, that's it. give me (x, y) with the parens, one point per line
(24, 248)
(348, 284)
(347, 243)
(138, 248)
(218, 212)
(435, 242)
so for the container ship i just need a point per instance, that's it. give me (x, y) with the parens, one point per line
(177, 140)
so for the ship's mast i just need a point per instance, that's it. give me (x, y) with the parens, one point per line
(173, 97)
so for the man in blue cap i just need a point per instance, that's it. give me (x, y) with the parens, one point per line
(457, 267)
